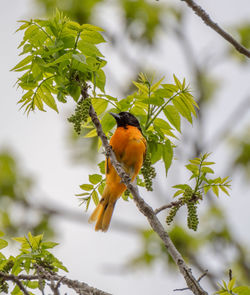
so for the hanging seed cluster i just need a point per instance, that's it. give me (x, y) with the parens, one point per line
(81, 114)
(172, 213)
(148, 172)
(192, 216)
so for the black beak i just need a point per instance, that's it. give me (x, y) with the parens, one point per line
(116, 116)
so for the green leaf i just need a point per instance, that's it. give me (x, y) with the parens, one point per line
(35, 241)
(91, 27)
(88, 49)
(100, 79)
(224, 189)
(155, 151)
(207, 163)
(16, 291)
(195, 161)
(79, 57)
(86, 187)
(162, 124)
(231, 284)
(156, 85)
(102, 167)
(3, 244)
(182, 186)
(207, 170)
(157, 101)
(167, 154)
(23, 62)
(215, 189)
(47, 97)
(23, 26)
(177, 193)
(141, 87)
(101, 188)
(92, 37)
(177, 82)
(92, 133)
(170, 87)
(192, 168)
(242, 290)
(74, 26)
(206, 189)
(74, 91)
(99, 105)
(186, 101)
(95, 178)
(173, 116)
(95, 197)
(64, 57)
(49, 245)
(108, 122)
(32, 285)
(182, 108)
(82, 194)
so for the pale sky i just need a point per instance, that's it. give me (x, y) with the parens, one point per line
(39, 142)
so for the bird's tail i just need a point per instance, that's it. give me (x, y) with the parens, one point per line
(103, 213)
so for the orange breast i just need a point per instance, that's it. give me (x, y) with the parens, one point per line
(129, 146)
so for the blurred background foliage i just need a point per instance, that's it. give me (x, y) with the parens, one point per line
(139, 23)
(18, 214)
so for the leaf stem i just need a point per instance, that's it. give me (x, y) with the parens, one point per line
(160, 109)
(32, 104)
(41, 28)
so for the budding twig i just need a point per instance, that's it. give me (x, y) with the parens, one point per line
(198, 280)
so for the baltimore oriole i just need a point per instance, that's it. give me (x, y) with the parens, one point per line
(129, 147)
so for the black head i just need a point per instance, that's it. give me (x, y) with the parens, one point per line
(124, 119)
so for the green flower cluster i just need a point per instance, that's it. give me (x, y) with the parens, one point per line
(172, 213)
(192, 218)
(148, 172)
(81, 114)
(191, 203)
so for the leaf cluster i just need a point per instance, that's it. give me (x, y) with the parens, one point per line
(94, 188)
(190, 196)
(229, 289)
(60, 55)
(33, 251)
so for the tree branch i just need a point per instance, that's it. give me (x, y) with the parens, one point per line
(176, 203)
(17, 280)
(144, 208)
(79, 287)
(208, 21)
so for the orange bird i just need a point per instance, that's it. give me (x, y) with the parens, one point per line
(129, 147)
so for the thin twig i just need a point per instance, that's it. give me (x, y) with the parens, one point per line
(170, 205)
(230, 274)
(16, 280)
(208, 21)
(176, 203)
(198, 280)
